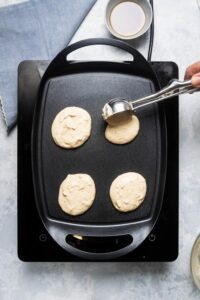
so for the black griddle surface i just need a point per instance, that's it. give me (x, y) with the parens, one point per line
(99, 158)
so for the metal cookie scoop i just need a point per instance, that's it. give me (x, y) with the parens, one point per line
(119, 109)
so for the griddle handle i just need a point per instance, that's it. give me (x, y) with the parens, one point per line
(102, 41)
(124, 238)
(60, 64)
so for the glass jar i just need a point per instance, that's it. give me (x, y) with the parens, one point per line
(195, 262)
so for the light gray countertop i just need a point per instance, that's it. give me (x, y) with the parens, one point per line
(177, 38)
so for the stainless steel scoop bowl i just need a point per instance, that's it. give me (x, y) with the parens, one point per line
(120, 109)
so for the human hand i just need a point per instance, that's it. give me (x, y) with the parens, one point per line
(193, 72)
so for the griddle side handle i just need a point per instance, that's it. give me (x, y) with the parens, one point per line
(60, 63)
(62, 234)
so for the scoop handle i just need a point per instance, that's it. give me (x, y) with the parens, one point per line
(175, 88)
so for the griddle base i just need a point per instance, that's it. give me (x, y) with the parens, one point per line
(34, 242)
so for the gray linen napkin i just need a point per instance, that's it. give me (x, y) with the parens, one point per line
(33, 29)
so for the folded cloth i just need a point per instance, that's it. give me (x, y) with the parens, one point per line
(33, 29)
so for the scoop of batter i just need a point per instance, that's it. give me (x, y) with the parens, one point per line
(76, 194)
(124, 132)
(71, 127)
(127, 191)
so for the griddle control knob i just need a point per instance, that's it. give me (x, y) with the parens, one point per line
(43, 237)
(152, 237)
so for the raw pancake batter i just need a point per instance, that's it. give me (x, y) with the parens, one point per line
(71, 127)
(127, 191)
(124, 132)
(76, 194)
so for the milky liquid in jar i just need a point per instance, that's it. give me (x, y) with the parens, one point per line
(127, 18)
